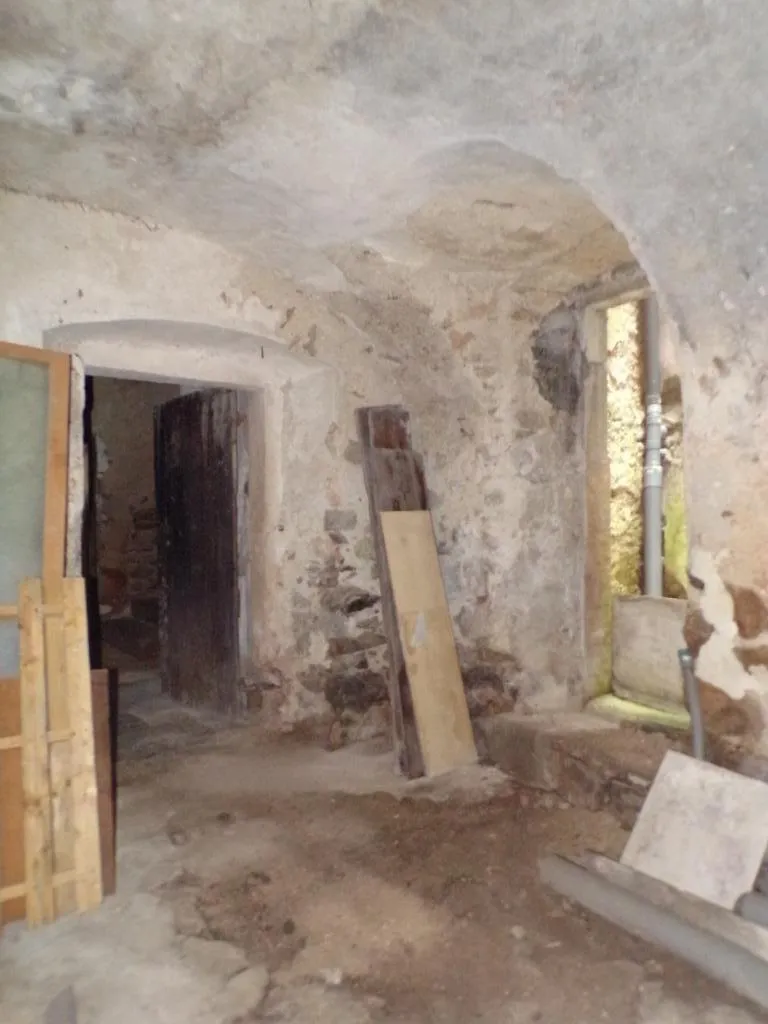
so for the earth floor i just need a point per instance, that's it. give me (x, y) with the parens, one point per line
(265, 879)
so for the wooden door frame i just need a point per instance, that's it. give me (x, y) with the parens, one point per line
(77, 479)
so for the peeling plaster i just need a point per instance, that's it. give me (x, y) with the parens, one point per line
(717, 663)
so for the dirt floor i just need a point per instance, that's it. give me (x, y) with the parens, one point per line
(270, 880)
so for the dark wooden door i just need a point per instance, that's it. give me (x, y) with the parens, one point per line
(195, 452)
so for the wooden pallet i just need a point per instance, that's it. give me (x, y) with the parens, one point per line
(62, 853)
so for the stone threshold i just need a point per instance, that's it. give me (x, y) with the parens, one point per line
(591, 761)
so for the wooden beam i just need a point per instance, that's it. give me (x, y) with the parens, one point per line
(394, 480)
(27, 354)
(11, 804)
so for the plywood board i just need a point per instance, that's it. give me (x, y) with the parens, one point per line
(702, 830)
(426, 634)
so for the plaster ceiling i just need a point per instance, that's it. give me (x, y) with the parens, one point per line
(289, 127)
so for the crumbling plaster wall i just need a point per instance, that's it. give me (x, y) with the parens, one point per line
(494, 391)
(300, 126)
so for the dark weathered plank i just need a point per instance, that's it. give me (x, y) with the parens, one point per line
(394, 480)
(104, 689)
(196, 483)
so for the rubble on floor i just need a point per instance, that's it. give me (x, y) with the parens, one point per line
(269, 879)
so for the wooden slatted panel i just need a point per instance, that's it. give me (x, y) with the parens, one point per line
(53, 539)
(38, 837)
(426, 635)
(87, 847)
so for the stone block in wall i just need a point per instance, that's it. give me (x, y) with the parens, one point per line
(528, 747)
(647, 634)
(145, 519)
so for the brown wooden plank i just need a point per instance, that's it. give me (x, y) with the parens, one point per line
(426, 635)
(9, 611)
(103, 682)
(196, 503)
(394, 480)
(11, 804)
(38, 848)
(87, 844)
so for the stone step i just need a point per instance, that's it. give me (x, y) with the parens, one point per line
(593, 762)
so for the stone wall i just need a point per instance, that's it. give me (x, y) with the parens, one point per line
(489, 365)
(367, 127)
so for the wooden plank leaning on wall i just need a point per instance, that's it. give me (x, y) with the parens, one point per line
(394, 481)
(426, 636)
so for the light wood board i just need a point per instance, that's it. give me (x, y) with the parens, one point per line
(38, 837)
(426, 634)
(87, 843)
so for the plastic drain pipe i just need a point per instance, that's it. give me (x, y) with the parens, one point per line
(653, 473)
(693, 702)
(745, 972)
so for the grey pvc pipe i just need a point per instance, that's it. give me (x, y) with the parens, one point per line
(693, 703)
(653, 471)
(722, 960)
(753, 906)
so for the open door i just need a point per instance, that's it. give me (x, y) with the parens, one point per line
(34, 425)
(196, 467)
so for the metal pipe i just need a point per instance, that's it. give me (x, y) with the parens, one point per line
(714, 954)
(693, 703)
(653, 472)
(753, 906)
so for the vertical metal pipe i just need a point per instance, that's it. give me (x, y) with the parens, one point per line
(693, 702)
(653, 559)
